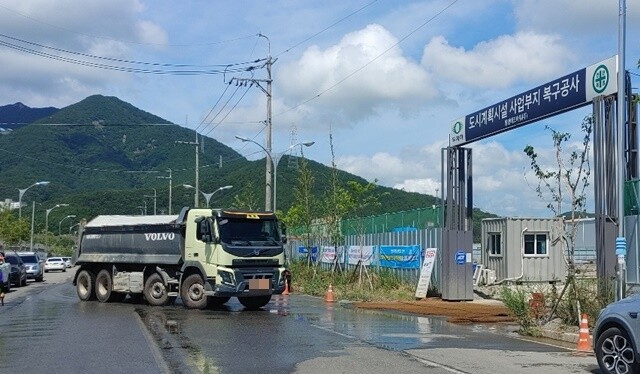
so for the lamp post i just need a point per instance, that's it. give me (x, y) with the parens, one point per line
(207, 196)
(170, 179)
(275, 165)
(21, 192)
(46, 223)
(60, 223)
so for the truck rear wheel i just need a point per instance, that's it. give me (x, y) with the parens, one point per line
(192, 292)
(255, 302)
(84, 285)
(103, 286)
(155, 291)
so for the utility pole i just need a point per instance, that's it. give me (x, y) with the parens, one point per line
(195, 198)
(267, 90)
(170, 188)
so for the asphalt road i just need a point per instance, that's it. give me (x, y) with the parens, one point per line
(44, 328)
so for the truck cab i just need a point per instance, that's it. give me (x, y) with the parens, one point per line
(241, 254)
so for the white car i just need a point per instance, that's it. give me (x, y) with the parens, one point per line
(67, 261)
(55, 263)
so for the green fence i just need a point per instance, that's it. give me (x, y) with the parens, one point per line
(407, 220)
(631, 193)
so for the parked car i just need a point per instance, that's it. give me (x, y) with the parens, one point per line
(67, 261)
(34, 264)
(615, 337)
(18, 274)
(55, 263)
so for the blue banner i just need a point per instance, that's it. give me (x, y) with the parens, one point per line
(400, 256)
(302, 253)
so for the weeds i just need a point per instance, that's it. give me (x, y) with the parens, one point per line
(386, 285)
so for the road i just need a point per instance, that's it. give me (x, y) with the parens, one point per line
(44, 328)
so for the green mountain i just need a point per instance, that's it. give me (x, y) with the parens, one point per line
(105, 156)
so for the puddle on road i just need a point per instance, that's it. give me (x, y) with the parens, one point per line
(165, 325)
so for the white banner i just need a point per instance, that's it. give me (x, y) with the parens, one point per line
(362, 254)
(425, 272)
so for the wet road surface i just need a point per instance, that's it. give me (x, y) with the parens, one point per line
(46, 329)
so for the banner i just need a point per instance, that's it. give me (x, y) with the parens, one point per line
(302, 253)
(425, 273)
(400, 256)
(362, 254)
(329, 254)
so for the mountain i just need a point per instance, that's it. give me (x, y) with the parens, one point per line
(17, 115)
(105, 156)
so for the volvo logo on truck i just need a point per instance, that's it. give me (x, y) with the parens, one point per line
(156, 236)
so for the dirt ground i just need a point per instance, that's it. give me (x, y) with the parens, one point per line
(476, 311)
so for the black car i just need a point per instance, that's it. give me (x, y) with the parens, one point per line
(18, 275)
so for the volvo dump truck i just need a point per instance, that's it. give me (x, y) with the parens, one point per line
(204, 256)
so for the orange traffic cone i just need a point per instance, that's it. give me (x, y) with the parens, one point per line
(329, 296)
(584, 339)
(286, 287)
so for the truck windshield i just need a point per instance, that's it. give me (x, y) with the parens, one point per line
(248, 231)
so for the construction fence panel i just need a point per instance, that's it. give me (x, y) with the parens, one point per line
(366, 249)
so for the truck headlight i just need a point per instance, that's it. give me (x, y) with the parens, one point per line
(227, 277)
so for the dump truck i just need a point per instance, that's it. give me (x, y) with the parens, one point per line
(203, 256)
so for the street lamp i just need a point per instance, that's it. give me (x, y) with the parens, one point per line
(60, 223)
(22, 191)
(46, 223)
(207, 196)
(275, 165)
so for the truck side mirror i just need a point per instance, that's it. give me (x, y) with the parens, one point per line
(205, 233)
(284, 233)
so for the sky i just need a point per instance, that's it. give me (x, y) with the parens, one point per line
(383, 79)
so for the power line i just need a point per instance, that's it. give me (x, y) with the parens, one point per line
(235, 67)
(327, 28)
(370, 61)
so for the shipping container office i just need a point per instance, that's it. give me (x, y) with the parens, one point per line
(522, 250)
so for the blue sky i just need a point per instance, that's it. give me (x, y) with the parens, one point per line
(385, 78)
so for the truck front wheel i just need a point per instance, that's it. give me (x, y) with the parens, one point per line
(255, 302)
(155, 291)
(84, 285)
(192, 292)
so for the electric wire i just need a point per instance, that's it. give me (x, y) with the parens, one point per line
(327, 28)
(348, 76)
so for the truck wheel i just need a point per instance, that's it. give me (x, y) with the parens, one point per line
(84, 285)
(155, 291)
(255, 302)
(192, 292)
(103, 286)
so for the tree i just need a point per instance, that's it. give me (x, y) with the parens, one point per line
(13, 230)
(337, 203)
(565, 184)
(246, 199)
(363, 198)
(302, 212)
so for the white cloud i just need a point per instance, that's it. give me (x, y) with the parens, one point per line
(497, 63)
(361, 74)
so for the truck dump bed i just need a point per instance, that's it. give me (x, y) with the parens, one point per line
(132, 239)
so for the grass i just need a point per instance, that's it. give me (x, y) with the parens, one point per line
(379, 285)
